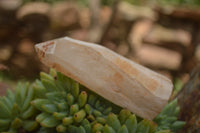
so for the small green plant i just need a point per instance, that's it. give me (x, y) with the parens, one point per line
(167, 119)
(56, 103)
(16, 111)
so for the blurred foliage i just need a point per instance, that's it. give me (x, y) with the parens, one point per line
(178, 85)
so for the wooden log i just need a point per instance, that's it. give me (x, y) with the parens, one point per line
(33, 8)
(164, 36)
(10, 4)
(138, 31)
(64, 15)
(158, 57)
(110, 75)
(181, 13)
(189, 100)
(130, 12)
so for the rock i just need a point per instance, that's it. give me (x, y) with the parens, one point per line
(158, 57)
(110, 75)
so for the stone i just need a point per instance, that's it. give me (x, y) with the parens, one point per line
(117, 79)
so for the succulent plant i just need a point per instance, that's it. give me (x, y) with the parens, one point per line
(66, 106)
(60, 104)
(15, 110)
(167, 119)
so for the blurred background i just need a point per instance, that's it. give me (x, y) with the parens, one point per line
(163, 35)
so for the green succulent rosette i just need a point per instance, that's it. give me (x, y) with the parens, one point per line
(16, 112)
(56, 103)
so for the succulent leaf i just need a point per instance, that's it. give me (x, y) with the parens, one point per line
(67, 120)
(49, 122)
(177, 125)
(79, 116)
(123, 129)
(4, 110)
(113, 121)
(61, 128)
(168, 117)
(30, 125)
(59, 115)
(31, 111)
(97, 127)
(108, 129)
(42, 116)
(39, 102)
(49, 108)
(131, 123)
